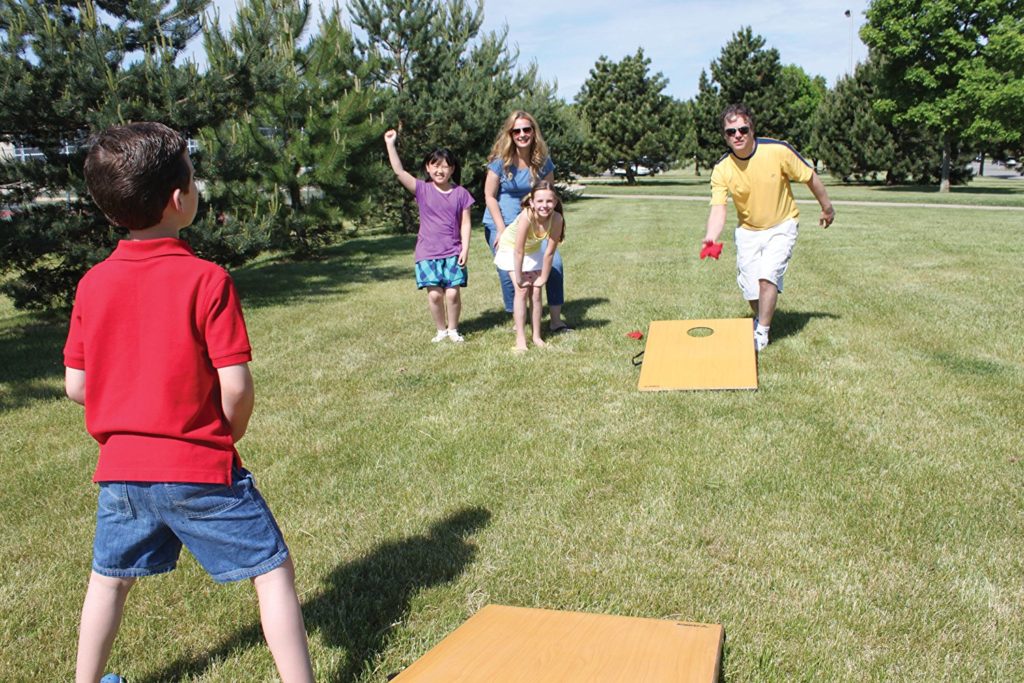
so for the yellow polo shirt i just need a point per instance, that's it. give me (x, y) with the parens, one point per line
(759, 184)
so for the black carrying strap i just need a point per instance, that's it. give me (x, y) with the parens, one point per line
(638, 359)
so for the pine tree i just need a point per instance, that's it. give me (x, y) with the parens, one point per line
(68, 68)
(631, 120)
(297, 150)
(446, 83)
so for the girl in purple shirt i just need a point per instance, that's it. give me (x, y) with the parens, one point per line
(443, 242)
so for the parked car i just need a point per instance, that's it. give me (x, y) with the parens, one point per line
(619, 169)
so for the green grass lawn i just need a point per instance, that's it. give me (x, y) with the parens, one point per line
(1003, 192)
(859, 518)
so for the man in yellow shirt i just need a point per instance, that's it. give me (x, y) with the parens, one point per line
(757, 173)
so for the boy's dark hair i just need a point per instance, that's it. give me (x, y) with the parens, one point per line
(132, 170)
(737, 110)
(446, 155)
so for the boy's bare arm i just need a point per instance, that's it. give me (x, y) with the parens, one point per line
(74, 384)
(237, 397)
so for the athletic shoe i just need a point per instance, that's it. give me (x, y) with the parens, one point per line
(760, 340)
(455, 336)
(440, 336)
(112, 678)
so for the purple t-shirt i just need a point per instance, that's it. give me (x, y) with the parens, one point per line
(440, 220)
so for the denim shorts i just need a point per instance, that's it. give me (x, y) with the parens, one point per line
(141, 526)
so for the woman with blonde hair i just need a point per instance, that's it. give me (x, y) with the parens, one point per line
(518, 160)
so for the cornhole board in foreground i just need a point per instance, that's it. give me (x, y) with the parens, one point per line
(699, 354)
(502, 644)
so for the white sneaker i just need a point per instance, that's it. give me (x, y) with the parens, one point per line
(455, 336)
(440, 336)
(760, 340)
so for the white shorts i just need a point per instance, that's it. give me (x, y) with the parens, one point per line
(763, 255)
(506, 260)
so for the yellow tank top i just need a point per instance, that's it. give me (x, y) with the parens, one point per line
(534, 235)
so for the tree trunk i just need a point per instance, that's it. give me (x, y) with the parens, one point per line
(981, 165)
(946, 153)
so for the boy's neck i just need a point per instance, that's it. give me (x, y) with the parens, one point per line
(154, 233)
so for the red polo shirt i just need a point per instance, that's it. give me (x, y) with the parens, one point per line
(150, 326)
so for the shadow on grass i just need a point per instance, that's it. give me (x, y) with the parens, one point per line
(354, 261)
(575, 312)
(31, 358)
(362, 601)
(788, 323)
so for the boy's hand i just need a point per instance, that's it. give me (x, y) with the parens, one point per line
(539, 282)
(390, 136)
(712, 249)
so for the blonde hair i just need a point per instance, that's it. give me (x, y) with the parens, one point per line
(525, 204)
(504, 148)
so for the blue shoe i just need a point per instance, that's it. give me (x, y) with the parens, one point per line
(112, 678)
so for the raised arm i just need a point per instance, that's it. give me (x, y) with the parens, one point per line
(237, 397)
(828, 212)
(404, 177)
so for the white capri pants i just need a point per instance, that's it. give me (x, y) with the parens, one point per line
(763, 255)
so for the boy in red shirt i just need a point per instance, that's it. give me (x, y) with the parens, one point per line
(160, 336)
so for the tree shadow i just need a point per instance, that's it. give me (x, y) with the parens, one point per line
(362, 601)
(283, 281)
(788, 323)
(31, 358)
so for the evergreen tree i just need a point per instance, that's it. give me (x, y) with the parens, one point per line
(849, 134)
(707, 109)
(936, 70)
(67, 68)
(564, 130)
(631, 120)
(297, 150)
(446, 84)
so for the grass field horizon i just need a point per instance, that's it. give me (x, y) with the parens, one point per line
(858, 518)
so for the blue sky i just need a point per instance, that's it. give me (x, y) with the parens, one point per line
(680, 37)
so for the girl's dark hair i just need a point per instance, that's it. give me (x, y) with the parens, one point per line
(132, 170)
(446, 155)
(550, 186)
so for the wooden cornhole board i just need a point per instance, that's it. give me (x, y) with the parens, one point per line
(502, 644)
(681, 354)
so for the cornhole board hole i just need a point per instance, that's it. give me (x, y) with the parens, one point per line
(502, 644)
(699, 354)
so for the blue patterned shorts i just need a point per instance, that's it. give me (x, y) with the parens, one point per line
(441, 272)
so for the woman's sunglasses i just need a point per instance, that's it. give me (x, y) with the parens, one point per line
(525, 129)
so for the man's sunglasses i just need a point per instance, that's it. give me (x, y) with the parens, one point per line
(524, 129)
(742, 130)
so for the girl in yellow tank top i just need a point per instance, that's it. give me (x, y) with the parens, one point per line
(519, 253)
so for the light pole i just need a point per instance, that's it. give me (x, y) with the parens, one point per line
(849, 16)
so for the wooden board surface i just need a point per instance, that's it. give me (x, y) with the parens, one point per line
(502, 644)
(699, 354)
